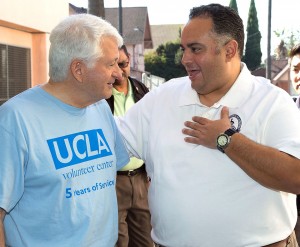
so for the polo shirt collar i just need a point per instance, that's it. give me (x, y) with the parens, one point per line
(116, 92)
(237, 94)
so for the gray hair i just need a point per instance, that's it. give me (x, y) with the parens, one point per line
(78, 37)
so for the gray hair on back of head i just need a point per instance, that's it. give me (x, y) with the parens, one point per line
(78, 37)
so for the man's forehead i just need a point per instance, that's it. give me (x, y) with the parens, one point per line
(296, 60)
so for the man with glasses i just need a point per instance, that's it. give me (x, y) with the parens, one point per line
(132, 181)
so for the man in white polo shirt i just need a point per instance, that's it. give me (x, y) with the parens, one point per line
(221, 146)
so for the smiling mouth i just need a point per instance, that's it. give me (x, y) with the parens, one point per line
(193, 73)
(298, 86)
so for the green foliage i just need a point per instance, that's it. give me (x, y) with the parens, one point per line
(233, 5)
(155, 64)
(253, 53)
(166, 61)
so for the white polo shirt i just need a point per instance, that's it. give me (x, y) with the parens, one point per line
(298, 102)
(198, 196)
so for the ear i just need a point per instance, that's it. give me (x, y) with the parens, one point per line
(77, 69)
(231, 49)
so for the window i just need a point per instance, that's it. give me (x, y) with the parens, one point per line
(15, 71)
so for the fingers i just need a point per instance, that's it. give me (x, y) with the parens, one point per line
(193, 136)
(200, 120)
(191, 131)
(225, 113)
(191, 125)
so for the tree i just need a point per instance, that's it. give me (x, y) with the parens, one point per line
(96, 7)
(166, 61)
(233, 5)
(253, 53)
(155, 64)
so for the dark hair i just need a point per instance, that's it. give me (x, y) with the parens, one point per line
(226, 22)
(295, 50)
(124, 48)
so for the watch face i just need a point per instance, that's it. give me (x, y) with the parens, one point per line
(222, 140)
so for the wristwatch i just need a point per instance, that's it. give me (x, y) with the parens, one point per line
(223, 139)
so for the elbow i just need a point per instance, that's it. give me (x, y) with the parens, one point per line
(292, 186)
(296, 190)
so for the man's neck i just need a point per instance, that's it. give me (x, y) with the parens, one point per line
(58, 89)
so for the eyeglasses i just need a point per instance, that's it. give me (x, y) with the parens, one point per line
(123, 65)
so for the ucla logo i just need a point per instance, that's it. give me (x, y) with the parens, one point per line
(79, 147)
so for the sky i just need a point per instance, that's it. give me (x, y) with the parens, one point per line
(284, 16)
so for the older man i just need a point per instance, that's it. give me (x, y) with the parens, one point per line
(60, 146)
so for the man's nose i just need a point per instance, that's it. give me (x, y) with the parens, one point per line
(118, 73)
(185, 58)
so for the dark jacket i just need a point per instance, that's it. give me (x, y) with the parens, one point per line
(138, 91)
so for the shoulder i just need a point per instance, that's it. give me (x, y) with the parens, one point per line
(136, 84)
(176, 84)
(21, 101)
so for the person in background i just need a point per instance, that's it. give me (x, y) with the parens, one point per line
(220, 145)
(132, 181)
(60, 145)
(294, 62)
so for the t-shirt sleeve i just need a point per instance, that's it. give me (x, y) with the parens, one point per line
(11, 169)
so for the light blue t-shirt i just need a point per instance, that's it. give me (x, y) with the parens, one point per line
(57, 170)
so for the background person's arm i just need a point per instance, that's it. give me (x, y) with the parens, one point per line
(2, 236)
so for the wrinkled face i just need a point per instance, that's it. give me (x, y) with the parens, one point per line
(203, 61)
(124, 64)
(98, 80)
(295, 72)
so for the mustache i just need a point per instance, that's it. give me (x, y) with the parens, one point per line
(124, 76)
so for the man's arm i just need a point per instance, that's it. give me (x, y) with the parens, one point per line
(2, 237)
(268, 166)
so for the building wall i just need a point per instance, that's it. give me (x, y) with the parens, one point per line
(41, 15)
(28, 24)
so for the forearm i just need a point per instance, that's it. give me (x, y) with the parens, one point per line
(2, 236)
(266, 165)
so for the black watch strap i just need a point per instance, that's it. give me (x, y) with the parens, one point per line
(230, 132)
